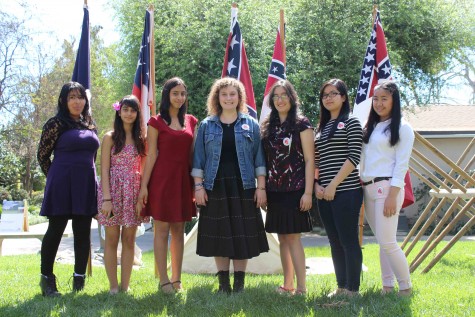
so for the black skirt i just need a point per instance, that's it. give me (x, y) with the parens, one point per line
(284, 215)
(230, 225)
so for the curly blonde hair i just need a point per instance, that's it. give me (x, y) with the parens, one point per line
(213, 105)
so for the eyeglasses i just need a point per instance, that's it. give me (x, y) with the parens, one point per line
(282, 97)
(330, 95)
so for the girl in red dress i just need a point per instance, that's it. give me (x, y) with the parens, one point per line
(166, 189)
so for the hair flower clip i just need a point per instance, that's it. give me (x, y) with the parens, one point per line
(116, 106)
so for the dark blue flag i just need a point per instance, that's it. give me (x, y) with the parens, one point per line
(82, 68)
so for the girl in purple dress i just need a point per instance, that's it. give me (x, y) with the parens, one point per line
(71, 186)
(122, 156)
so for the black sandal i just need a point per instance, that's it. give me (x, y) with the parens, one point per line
(176, 288)
(164, 290)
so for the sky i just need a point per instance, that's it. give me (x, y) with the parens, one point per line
(56, 20)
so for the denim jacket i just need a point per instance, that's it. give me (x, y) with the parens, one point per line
(249, 150)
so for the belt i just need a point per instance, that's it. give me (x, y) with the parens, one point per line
(376, 179)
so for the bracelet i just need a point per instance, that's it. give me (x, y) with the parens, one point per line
(198, 185)
(104, 200)
(199, 189)
(261, 188)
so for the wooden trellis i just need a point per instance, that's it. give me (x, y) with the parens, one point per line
(455, 191)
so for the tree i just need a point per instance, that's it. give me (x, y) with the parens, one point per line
(10, 167)
(35, 99)
(190, 39)
(325, 39)
(13, 38)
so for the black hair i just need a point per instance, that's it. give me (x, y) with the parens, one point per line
(294, 115)
(118, 136)
(165, 101)
(63, 113)
(325, 115)
(374, 119)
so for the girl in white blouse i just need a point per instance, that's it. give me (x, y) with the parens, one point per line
(387, 147)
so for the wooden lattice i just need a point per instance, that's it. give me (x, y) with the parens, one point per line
(454, 190)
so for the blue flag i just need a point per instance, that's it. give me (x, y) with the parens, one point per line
(82, 68)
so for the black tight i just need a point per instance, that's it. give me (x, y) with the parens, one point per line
(52, 238)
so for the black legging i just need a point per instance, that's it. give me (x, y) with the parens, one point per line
(52, 238)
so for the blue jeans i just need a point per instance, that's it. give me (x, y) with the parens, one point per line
(340, 218)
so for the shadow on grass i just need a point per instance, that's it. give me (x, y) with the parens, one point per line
(202, 300)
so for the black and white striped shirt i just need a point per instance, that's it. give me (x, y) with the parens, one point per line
(330, 155)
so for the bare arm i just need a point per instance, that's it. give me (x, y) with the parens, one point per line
(308, 148)
(106, 149)
(152, 138)
(345, 170)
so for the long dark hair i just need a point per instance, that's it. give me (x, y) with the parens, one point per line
(374, 119)
(294, 115)
(165, 101)
(64, 115)
(325, 115)
(118, 136)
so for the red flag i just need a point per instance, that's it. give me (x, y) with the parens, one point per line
(235, 62)
(276, 72)
(376, 69)
(143, 83)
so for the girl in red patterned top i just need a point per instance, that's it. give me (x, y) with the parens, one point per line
(289, 150)
(122, 154)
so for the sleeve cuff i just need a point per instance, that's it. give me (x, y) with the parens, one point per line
(196, 172)
(354, 162)
(260, 171)
(396, 182)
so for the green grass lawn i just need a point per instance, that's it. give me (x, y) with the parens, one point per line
(447, 290)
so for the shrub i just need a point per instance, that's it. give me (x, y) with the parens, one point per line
(19, 194)
(36, 198)
(5, 194)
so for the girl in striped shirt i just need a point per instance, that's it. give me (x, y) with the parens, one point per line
(337, 154)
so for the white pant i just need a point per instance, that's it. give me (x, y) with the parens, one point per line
(393, 261)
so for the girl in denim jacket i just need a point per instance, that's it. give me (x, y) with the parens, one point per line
(228, 157)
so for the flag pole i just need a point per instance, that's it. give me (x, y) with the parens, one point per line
(282, 36)
(152, 61)
(153, 110)
(362, 210)
(375, 9)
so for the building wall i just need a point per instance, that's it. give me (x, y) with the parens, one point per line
(450, 147)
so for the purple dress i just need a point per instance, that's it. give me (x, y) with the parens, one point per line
(71, 185)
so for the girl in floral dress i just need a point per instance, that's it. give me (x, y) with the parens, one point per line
(122, 155)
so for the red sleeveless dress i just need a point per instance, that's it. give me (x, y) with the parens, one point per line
(170, 195)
